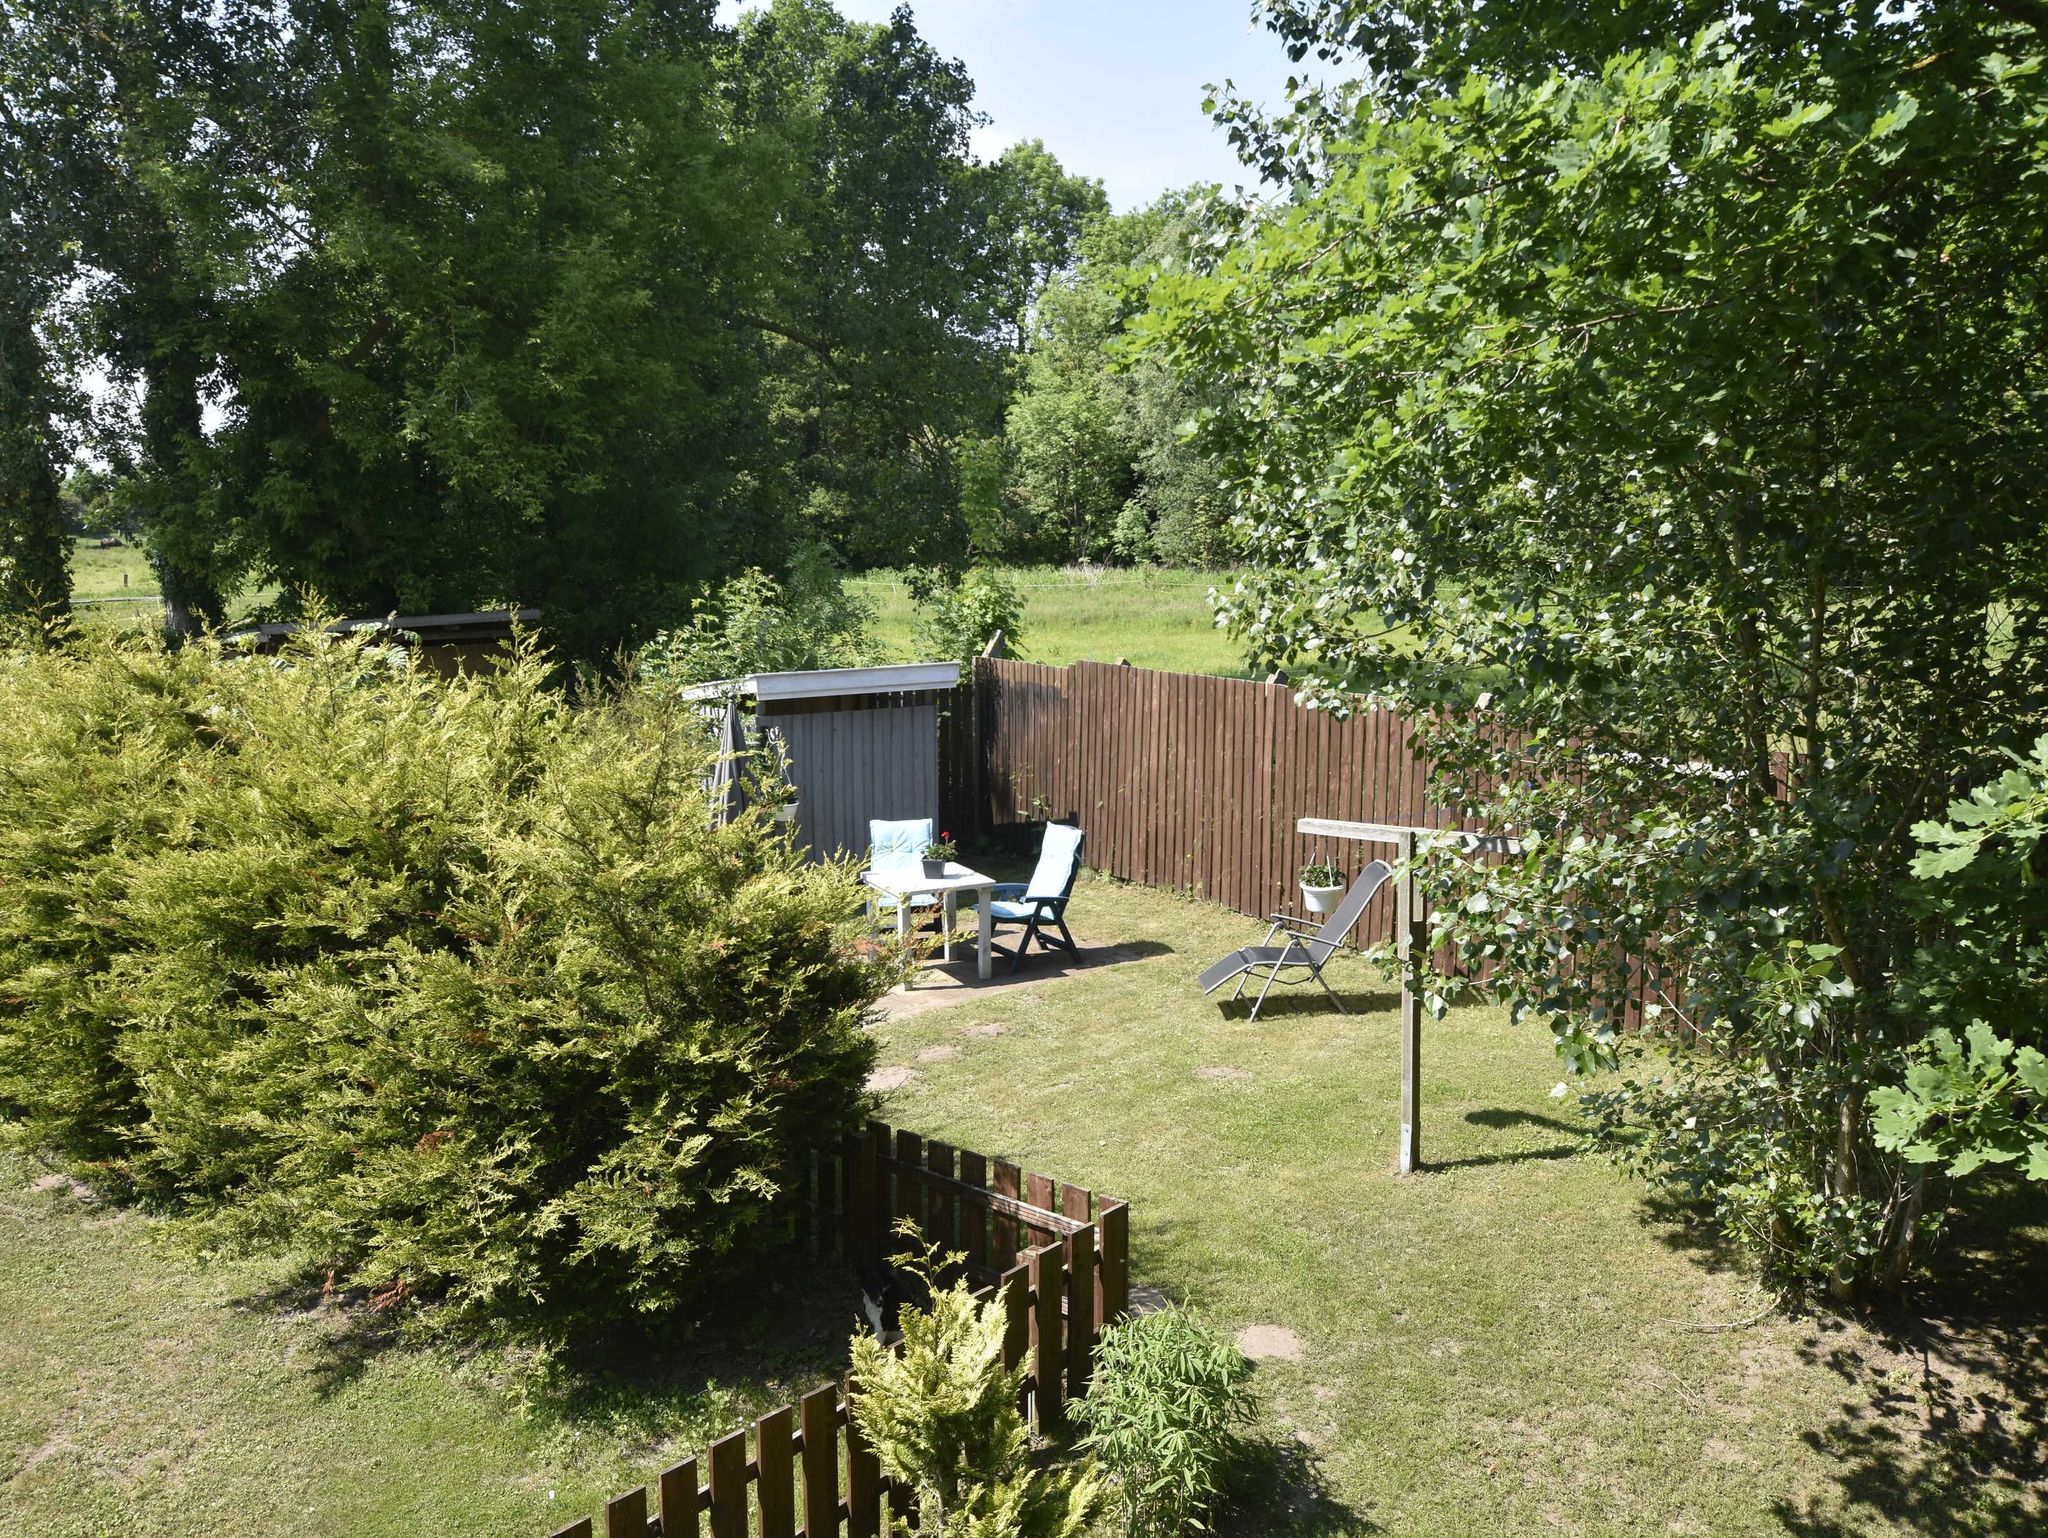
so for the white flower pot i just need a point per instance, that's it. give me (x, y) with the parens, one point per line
(1322, 899)
(786, 812)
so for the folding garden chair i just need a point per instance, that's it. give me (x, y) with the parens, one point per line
(1042, 900)
(1304, 952)
(897, 843)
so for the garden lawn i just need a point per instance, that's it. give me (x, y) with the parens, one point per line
(144, 1395)
(1151, 617)
(1510, 1342)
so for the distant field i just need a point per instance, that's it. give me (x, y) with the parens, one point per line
(122, 573)
(119, 584)
(1151, 618)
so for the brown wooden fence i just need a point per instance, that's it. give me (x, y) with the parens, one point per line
(1058, 1259)
(1191, 782)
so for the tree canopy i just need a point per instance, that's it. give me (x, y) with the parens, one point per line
(585, 304)
(1650, 400)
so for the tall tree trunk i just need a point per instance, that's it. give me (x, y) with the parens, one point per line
(174, 521)
(35, 565)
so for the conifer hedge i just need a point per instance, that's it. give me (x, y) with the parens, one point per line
(445, 985)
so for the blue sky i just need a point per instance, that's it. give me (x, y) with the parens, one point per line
(1113, 87)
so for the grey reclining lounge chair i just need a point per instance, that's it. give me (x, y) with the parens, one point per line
(1304, 952)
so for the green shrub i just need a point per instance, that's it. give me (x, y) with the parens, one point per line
(957, 615)
(754, 623)
(1161, 1417)
(941, 1416)
(444, 985)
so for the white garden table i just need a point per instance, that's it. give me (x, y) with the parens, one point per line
(904, 882)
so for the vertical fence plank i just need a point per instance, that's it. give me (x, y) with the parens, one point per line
(679, 1500)
(863, 1480)
(775, 1479)
(1039, 1191)
(625, 1516)
(942, 1206)
(818, 1415)
(909, 1199)
(1080, 1310)
(580, 1528)
(1014, 1290)
(974, 1216)
(1114, 1227)
(1007, 1243)
(1048, 1348)
(729, 1486)
(868, 1214)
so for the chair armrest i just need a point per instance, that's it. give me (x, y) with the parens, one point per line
(1009, 889)
(1292, 922)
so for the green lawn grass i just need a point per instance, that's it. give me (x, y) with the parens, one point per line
(1151, 617)
(1513, 1341)
(118, 573)
(118, 586)
(143, 1393)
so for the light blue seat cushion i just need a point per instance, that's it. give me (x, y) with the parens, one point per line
(1004, 909)
(899, 843)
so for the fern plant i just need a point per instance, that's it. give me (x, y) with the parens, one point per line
(1162, 1416)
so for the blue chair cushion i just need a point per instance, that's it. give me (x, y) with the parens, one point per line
(1012, 910)
(1058, 856)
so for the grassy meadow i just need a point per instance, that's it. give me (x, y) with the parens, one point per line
(1513, 1341)
(1151, 617)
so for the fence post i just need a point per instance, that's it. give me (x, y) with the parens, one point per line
(1080, 1311)
(863, 1479)
(679, 1500)
(625, 1516)
(729, 1486)
(1407, 923)
(1115, 1226)
(818, 1415)
(866, 1220)
(1049, 1355)
(1416, 957)
(775, 1473)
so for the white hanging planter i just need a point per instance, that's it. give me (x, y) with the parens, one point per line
(786, 812)
(1322, 899)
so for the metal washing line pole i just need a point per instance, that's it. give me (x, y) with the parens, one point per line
(1411, 938)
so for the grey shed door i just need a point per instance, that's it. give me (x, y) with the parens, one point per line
(851, 765)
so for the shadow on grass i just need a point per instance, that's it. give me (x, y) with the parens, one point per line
(1943, 1425)
(1944, 1430)
(1278, 1487)
(1502, 1121)
(1313, 1002)
(767, 1340)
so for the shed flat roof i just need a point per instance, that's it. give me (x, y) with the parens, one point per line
(834, 683)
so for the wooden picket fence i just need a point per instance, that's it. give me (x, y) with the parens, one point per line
(1056, 1257)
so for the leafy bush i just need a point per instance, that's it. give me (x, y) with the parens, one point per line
(1162, 1415)
(756, 624)
(958, 615)
(941, 1416)
(1982, 1099)
(447, 986)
